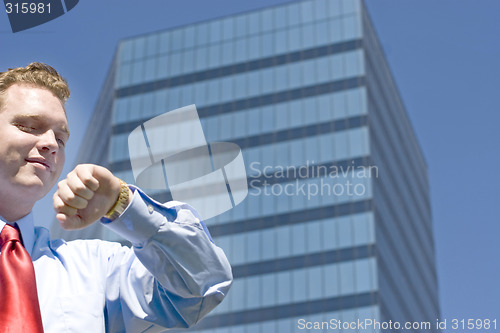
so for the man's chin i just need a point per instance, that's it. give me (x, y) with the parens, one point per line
(36, 188)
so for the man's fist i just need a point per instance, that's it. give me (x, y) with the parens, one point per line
(87, 194)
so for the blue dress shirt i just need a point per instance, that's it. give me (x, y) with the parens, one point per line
(173, 275)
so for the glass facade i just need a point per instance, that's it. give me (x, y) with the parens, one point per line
(337, 222)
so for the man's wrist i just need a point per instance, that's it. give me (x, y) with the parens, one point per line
(121, 203)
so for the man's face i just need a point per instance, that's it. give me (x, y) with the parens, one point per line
(33, 133)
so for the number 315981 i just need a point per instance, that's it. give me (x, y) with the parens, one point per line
(27, 8)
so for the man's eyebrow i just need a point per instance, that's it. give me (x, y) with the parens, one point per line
(37, 117)
(65, 130)
(27, 115)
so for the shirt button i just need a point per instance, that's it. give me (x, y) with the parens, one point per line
(151, 209)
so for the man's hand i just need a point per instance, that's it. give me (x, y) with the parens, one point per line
(87, 194)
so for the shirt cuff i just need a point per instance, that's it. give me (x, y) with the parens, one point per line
(141, 220)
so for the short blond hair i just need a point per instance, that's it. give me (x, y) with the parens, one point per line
(36, 74)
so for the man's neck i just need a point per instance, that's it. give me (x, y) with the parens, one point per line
(13, 210)
(13, 217)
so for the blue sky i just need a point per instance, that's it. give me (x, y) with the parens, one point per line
(444, 56)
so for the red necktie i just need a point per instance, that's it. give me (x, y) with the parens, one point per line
(19, 308)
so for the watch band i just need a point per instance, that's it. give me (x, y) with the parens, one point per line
(120, 204)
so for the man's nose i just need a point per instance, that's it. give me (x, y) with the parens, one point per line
(48, 142)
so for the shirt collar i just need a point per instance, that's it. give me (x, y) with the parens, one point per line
(27, 229)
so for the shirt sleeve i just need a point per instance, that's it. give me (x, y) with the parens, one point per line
(173, 276)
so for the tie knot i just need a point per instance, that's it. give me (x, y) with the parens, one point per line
(9, 233)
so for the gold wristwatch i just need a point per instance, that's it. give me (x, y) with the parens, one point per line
(120, 204)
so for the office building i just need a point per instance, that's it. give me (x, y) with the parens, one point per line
(337, 222)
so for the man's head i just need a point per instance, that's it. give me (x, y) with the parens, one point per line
(33, 133)
(35, 74)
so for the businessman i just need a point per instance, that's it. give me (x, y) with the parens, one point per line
(171, 277)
